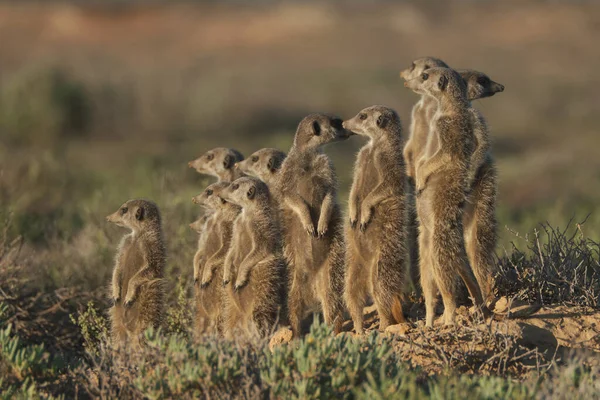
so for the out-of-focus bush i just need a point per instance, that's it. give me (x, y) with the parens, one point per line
(39, 106)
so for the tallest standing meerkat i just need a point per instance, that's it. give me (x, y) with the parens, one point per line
(376, 236)
(479, 218)
(421, 114)
(312, 221)
(441, 186)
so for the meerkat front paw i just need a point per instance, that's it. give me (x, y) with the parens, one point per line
(129, 302)
(322, 229)
(206, 277)
(310, 229)
(353, 216)
(366, 214)
(239, 284)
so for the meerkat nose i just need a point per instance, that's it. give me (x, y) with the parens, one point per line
(501, 87)
(190, 164)
(194, 200)
(405, 84)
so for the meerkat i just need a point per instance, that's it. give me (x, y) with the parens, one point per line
(441, 186)
(219, 163)
(479, 86)
(137, 282)
(264, 164)
(421, 114)
(307, 187)
(479, 219)
(254, 270)
(376, 253)
(213, 246)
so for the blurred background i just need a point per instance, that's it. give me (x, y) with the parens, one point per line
(100, 103)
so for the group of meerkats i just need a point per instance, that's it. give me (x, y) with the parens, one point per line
(273, 244)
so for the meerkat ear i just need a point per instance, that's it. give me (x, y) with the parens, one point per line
(443, 83)
(316, 128)
(382, 121)
(139, 213)
(272, 164)
(251, 192)
(228, 161)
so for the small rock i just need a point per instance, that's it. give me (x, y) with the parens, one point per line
(398, 329)
(283, 335)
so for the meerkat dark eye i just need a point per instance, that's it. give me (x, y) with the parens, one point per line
(235, 186)
(254, 158)
(424, 76)
(210, 157)
(316, 128)
(124, 210)
(362, 116)
(209, 192)
(483, 80)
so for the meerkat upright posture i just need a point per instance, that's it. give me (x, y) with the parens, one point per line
(254, 263)
(213, 246)
(376, 254)
(479, 219)
(307, 188)
(264, 164)
(441, 186)
(422, 112)
(137, 283)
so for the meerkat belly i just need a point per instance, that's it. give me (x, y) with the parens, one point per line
(131, 265)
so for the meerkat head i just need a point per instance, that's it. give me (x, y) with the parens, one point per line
(246, 192)
(479, 85)
(374, 121)
(136, 215)
(197, 225)
(210, 197)
(421, 65)
(317, 130)
(216, 162)
(439, 83)
(262, 164)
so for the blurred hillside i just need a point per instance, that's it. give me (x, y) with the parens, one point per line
(99, 104)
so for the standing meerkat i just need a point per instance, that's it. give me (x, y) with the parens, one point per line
(213, 246)
(264, 164)
(137, 282)
(376, 254)
(441, 185)
(307, 188)
(479, 219)
(421, 114)
(254, 270)
(219, 163)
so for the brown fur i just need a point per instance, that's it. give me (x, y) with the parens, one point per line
(255, 270)
(422, 113)
(441, 185)
(219, 162)
(264, 164)
(481, 240)
(213, 246)
(376, 254)
(137, 283)
(307, 188)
